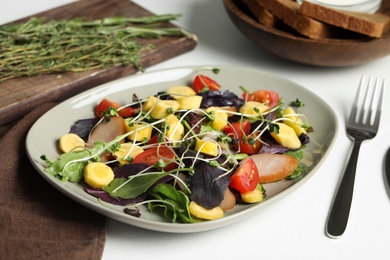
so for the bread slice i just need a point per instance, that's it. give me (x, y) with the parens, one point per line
(289, 12)
(262, 15)
(374, 25)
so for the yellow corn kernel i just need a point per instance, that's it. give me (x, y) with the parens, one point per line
(141, 131)
(294, 121)
(149, 103)
(98, 175)
(230, 110)
(286, 136)
(192, 102)
(220, 120)
(203, 213)
(253, 109)
(127, 151)
(207, 147)
(179, 92)
(163, 108)
(71, 142)
(252, 196)
(175, 130)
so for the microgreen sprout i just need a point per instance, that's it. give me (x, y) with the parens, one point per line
(297, 103)
(224, 139)
(251, 141)
(213, 69)
(245, 90)
(213, 163)
(110, 112)
(114, 147)
(170, 110)
(273, 128)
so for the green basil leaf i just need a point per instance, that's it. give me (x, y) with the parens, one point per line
(173, 202)
(131, 188)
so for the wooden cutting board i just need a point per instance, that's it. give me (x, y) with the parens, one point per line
(19, 96)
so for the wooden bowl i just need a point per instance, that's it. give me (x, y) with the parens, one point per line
(320, 52)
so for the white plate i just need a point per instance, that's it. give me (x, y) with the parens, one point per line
(44, 134)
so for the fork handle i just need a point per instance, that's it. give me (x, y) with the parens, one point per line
(338, 217)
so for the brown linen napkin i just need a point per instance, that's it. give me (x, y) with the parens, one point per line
(36, 220)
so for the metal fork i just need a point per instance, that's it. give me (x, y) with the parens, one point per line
(363, 124)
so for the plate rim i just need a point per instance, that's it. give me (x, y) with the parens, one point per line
(166, 226)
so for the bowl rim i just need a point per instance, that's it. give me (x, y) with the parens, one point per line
(239, 13)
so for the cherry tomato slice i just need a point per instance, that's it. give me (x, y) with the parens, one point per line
(245, 147)
(201, 82)
(152, 155)
(127, 112)
(155, 139)
(238, 129)
(264, 96)
(246, 178)
(105, 104)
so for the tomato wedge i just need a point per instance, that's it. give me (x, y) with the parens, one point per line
(238, 129)
(201, 82)
(152, 155)
(127, 112)
(105, 105)
(248, 147)
(246, 178)
(155, 139)
(264, 96)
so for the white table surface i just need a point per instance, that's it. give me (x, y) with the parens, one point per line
(293, 227)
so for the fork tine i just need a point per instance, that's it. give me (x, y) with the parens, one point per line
(376, 110)
(352, 116)
(365, 100)
(379, 107)
(363, 110)
(371, 107)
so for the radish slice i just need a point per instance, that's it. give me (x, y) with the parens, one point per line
(229, 200)
(106, 132)
(274, 167)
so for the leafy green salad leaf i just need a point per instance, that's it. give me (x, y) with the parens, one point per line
(70, 166)
(130, 188)
(173, 202)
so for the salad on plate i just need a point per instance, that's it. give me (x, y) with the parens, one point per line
(189, 153)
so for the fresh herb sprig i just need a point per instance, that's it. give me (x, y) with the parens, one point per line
(39, 47)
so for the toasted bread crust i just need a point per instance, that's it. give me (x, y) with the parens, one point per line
(262, 15)
(374, 25)
(289, 12)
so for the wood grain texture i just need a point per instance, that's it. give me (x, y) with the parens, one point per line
(18, 96)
